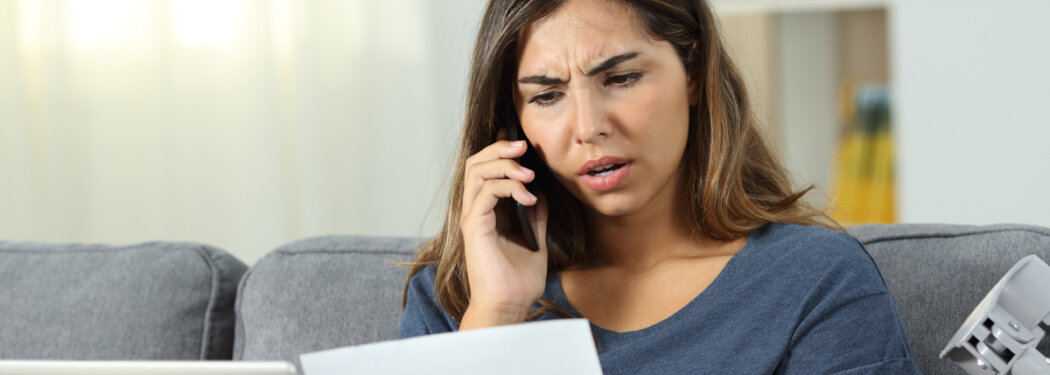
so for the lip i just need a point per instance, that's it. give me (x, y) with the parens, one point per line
(605, 160)
(608, 182)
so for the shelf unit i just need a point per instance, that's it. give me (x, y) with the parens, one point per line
(796, 57)
(969, 94)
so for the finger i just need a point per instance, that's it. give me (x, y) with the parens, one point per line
(493, 190)
(496, 169)
(497, 150)
(538, 215)
(499, 169)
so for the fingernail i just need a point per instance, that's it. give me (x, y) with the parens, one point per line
(526, 170)
(517, 143)
(534, 199)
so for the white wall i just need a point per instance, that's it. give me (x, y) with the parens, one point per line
(972, 110)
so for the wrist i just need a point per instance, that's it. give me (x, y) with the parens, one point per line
(480, 315)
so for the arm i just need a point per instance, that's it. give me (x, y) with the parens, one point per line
(861, 336)
(850, 323)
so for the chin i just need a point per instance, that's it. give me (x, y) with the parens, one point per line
(615, 204)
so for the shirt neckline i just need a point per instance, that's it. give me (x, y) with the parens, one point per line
(719, 285)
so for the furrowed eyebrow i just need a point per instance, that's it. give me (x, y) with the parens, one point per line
(611, 62)
(605, 65)
(541, 80)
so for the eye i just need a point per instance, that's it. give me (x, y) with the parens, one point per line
(545, 99)
(623, 80)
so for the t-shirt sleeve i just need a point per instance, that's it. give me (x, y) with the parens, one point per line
(851, 325)
(423, 315)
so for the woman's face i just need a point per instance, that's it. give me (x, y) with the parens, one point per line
(593, 86)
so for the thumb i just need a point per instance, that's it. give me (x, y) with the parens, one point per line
(538, 215)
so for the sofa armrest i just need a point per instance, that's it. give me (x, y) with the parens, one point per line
(939, 273)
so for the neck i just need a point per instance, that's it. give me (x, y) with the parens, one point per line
(661, 230)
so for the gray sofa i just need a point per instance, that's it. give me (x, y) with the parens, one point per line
(177, 300)
(157, 300)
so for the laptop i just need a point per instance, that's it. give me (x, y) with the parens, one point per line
(54, 367)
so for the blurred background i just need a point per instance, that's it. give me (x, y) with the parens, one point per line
(250, 124)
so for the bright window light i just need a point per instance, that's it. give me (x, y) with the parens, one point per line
(207, 22)
(29, 30)
(102, 23)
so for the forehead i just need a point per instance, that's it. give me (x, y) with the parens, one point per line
(579, 32)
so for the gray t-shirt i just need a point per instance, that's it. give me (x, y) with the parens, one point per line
(794, 300)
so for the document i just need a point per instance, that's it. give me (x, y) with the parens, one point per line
(563, 346)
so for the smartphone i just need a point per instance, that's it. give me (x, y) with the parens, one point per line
(514, 133)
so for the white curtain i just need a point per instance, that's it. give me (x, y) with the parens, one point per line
(242, 124)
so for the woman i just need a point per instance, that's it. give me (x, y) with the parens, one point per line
(671, 225)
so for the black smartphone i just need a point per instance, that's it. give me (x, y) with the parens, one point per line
(514, 133)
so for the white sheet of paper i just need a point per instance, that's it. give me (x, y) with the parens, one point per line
(563, 346)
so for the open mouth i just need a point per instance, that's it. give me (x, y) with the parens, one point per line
(606, 170)
(607, 177)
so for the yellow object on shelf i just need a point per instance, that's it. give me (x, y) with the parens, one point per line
(864, 177)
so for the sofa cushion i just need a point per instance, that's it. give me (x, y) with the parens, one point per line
(157, 300)
(321, 293)
(939, 273)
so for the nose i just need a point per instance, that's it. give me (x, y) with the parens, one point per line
(592, 124)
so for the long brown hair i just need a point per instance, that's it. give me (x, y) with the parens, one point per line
(736, 182)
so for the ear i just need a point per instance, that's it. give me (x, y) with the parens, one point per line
(694, 81)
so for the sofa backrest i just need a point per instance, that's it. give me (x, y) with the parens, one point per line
(321, 293)
(157, 300)
(939, 273)
(334, 291)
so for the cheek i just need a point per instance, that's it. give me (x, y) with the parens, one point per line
(660, 118)
(660, 126)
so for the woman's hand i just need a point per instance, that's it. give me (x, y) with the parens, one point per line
(505, 277)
